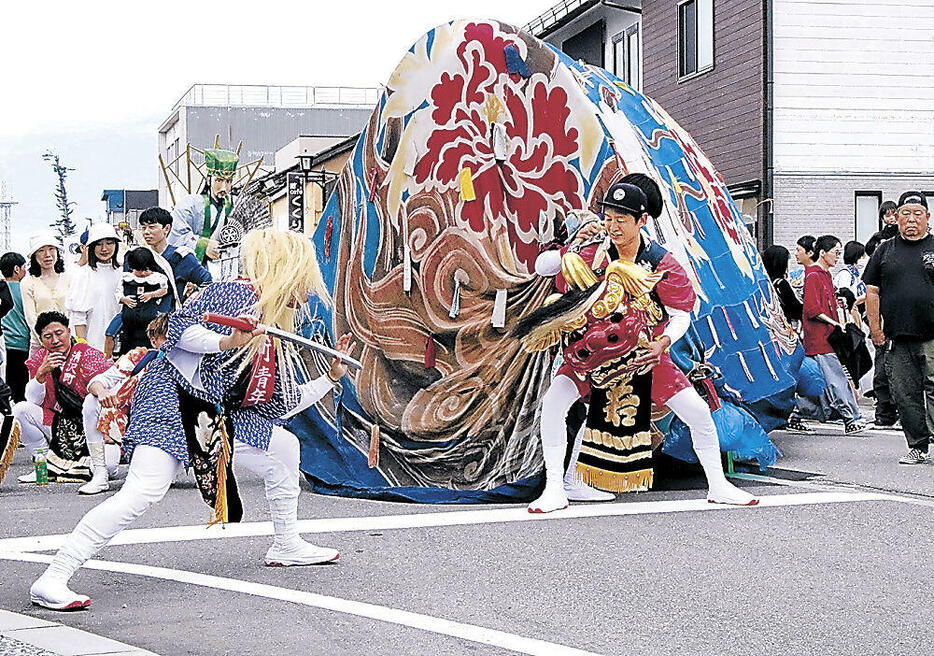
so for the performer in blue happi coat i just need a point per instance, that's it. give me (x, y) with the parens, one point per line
(209, 384)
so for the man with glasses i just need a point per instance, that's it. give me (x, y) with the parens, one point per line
(900, 304)
(820, 319)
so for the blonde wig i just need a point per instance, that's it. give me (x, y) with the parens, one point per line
(283, 268)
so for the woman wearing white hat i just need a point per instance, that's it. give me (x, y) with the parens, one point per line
(46, 286)
(93, 302)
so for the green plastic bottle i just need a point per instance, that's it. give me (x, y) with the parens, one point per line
(42, 468)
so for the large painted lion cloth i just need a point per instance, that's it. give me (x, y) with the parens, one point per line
(484, 139)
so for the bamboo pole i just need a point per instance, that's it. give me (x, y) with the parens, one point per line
(166, 176)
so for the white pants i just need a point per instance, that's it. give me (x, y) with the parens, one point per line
(151, 473)
(33, 433)
(687, 405)
(557, 401)
(36, 435)
(278, 465)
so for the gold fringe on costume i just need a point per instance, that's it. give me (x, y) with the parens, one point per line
(220, 503)
(6, 457)
(634, 481)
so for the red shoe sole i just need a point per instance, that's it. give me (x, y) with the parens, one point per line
(75, 605)
(542, 512)
(754, 502)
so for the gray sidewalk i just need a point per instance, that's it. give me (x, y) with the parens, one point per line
(22, 635)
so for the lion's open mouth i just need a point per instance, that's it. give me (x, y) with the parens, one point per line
(609, 371)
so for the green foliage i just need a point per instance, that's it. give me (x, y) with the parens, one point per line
(63, 225)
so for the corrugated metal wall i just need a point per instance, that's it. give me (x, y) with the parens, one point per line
(264, 130)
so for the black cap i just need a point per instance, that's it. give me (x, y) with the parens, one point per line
(627, 198)
(653, 195)
(913, 197)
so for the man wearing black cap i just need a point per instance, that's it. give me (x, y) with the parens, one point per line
(900, 305)
(625, 209)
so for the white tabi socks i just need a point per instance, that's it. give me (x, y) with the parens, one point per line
(695, 413)
(288, 549)
(51, 589)
(553, 497)
(100, 477)
(556, 402)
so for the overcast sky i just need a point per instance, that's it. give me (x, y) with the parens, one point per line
(93, 80)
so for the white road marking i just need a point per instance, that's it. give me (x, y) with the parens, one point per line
(428, 623)
(832, 487)
(444, 518)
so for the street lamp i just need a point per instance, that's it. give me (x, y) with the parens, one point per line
(305, 162)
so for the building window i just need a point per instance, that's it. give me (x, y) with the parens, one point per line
(867, 214)
(627, 57)
(587, 45)
(695, 42)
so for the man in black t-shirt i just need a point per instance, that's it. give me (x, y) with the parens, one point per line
(900, 305)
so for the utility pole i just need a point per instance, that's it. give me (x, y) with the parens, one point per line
(6, 217)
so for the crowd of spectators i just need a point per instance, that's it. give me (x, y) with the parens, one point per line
(74, 332)
(867, 322)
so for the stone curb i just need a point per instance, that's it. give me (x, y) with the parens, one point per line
(61, 639)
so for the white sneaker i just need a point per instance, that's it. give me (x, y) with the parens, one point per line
(100, 482)
(52, 593)
(28, 478)
(299, 553)
(578, 490)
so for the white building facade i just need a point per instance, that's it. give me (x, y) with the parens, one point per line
(603, 33)
(853, 115)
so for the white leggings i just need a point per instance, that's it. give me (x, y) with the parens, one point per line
(687, 405)
(36, 435)
(151, 473)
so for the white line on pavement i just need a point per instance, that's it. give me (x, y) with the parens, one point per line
(469, 632)
(832, 486)
(444, 518)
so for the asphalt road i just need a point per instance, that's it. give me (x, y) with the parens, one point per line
(849, 577)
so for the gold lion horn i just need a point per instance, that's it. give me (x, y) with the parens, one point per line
(576, 272)
(628, 279)
(634, 279)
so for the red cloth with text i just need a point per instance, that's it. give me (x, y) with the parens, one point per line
(81, 366)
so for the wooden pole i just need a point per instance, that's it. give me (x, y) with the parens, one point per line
(166, 176)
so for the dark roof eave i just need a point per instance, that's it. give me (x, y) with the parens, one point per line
(579, 11)
(336, 149)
